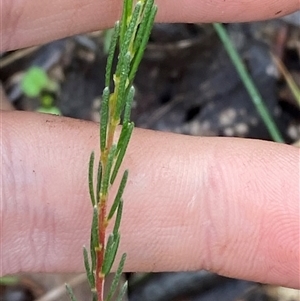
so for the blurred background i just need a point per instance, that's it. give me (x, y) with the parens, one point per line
(186, 84)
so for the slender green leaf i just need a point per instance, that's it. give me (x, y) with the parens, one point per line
(121, 99)
(128, 105)
(116, 279)
(123, 25)
(107, 171)
(248, 83)
(91, 178)
(142, 28)
(94, 243)
(110, 252)
(128, 4)
(122, 146)
(89, 272)
(128, 37)
(123, 292)
(139, 54)
(104, 117)
(118, 195)
(118, 218)
(111, 53)
(99, 177)
(70, 293)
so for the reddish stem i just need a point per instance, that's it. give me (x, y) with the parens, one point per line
(101, 251)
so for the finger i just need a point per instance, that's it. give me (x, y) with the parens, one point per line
(227, 205)
(26, 23)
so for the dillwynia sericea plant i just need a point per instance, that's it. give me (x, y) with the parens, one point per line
(130, 37)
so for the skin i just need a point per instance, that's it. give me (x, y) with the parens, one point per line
(226, 205)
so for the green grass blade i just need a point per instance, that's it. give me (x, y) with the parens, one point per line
(117, 278)
(118, 195)
(248, 83)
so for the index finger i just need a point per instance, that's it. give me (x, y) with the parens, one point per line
(26, 23)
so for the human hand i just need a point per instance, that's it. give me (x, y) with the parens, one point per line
(227, 205)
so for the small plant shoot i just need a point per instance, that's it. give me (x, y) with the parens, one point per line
(130, 36)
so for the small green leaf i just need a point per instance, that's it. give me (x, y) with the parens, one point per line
(123, 292)
(116, 279)
(99, 178)
(142, 28)
(70, 293)
(118, 196)
(110, 252)
(89, 272)
(121, 99)
(91, 178)
(104, 118)
(139, 54)
(107, 171)
(122, 146)
(128, 37)
(118, 218)
(94, 242)
(128, 105)
(111, 53)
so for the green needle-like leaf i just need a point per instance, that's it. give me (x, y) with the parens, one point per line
(119, 195)
(118, 218)
(124, 47)
(91, 178)
(116, 279)
(123, 292)
(123, 25)
(121, 99)
(142, 47)
(94, 243)
(104, 118)
(89, 272)
(122, 147)
(142, 28)
(111, 53)
(128, 105)
(110, 253)
(99, 178)
(70, 293)
(107, 171)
